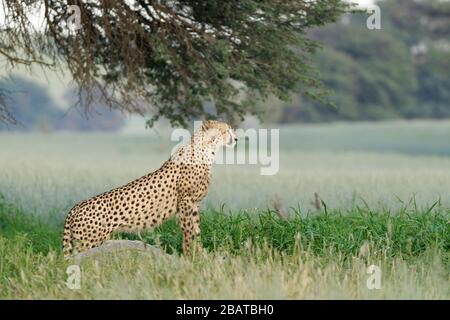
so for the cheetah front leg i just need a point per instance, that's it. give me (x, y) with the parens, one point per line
(190, 224)
(195, 219)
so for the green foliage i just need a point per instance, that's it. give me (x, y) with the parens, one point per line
(342, 233)
(404, 233)
(39, 236)
(400, 71)
(269, 55)
(331, 249)
(434, 85)
(175, 55)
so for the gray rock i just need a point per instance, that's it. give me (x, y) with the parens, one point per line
(114, 246)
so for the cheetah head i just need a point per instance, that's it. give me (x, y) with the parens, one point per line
(219, 133)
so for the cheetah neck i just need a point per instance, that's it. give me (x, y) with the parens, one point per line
(199, 151)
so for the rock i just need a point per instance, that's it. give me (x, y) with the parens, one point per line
(113, 246)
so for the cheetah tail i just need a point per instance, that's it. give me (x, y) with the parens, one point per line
(67, 239)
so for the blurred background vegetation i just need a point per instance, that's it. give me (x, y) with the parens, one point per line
(398, 72)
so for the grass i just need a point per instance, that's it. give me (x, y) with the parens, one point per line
(386, 187)
(247, 256)
(344, 163)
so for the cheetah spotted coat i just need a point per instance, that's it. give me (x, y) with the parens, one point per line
(177, 187)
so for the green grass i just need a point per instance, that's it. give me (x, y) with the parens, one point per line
(411, 248)
(39, 236)
(386, 187)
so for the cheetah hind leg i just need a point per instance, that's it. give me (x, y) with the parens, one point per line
(86, 244)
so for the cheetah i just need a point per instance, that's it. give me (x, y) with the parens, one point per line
(178, 186)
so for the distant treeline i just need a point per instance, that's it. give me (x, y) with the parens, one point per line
(399, 71)
(35, 110)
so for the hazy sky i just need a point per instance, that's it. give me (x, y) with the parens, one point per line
(364, 2)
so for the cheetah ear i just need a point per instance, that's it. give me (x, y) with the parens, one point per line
(206, 125)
